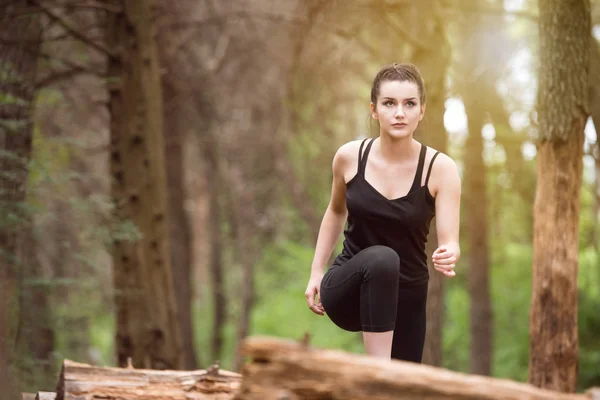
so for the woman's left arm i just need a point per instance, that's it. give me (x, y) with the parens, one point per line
(447, 214)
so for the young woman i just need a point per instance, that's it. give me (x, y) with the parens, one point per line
(389, 188)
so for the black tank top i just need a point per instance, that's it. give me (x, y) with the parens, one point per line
(401, 224)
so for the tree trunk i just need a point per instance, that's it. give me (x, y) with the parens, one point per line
(214, 175)
(147, 328)
(35, 343)
(175, 71)
(596, 235)
(180, 238)
(563, 111)
(247, 256)
(478, 81)
(284, 370)
(594, 90)
(433, 63)
(20, 27)
(594, 83)
(477, 234)
(7, 381)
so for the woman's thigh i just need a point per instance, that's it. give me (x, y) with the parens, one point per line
(340, 295)
(372, 273)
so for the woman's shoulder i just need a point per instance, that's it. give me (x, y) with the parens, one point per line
(444, 170)
(441, 159)
(349, 150)
(345, 161)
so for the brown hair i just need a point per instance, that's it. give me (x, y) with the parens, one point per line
(398, 72)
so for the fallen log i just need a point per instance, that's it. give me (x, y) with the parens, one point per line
(87, 382)
(282, 369)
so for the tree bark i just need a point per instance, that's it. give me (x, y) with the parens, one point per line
(35, 343)
(176, 126)
(214, 176)
(19, 27)
(563, 111)
(180, 237)
(282, 369)
(147, 328)
(82, 381)
(247, 256)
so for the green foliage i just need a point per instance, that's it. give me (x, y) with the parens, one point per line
(281, 309)
(589, 319)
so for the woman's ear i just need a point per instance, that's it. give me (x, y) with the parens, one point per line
(373, 111)
(422, 113)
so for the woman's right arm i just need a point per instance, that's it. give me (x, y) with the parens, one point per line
(331, 228)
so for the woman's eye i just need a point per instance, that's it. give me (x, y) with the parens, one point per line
(388, 103)
(411, 104)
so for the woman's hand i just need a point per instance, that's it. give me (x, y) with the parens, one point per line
(444, 260)
(313, 297)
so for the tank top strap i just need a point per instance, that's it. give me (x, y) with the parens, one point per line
(419, 174)
(430, 165)
(362, 157)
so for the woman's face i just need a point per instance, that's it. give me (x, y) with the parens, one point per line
(398, 108)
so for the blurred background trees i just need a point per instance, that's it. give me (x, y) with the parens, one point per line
(165, 167)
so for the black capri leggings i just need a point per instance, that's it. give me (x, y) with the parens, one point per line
(364, 294)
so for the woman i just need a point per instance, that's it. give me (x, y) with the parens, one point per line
(389, 188)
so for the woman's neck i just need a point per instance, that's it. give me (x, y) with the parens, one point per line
(397, 150)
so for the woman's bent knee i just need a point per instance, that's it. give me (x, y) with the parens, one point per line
(382, 260)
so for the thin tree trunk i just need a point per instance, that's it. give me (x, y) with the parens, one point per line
(247, 256)
(175, 70)
(180, 235)
(594, 83)
(596, 236)
(36, 333)
(213, 172)
(563, 111)
(433, 63)
(478, 81)
(477, 234)
(18, 67)
(147, 328)
(594, 90)
(8, 384)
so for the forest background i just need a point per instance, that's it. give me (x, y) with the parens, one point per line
(226, 173)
